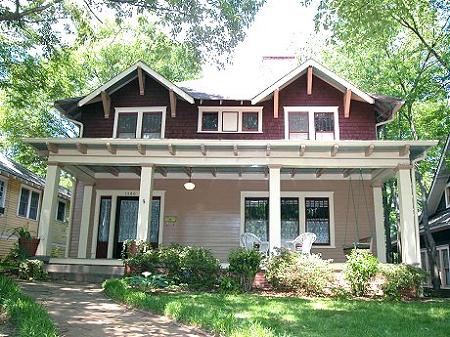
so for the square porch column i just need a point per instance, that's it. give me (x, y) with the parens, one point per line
(274, 208)
(48, 209)
(145, 203)
(379, 222)
(88, 192)
(408, 225)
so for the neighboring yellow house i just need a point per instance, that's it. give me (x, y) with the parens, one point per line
(20, 204)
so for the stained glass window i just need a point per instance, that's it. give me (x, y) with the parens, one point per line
(151, 125)
(257, 217)
(250, 121)
(318, 219)
(210, 121)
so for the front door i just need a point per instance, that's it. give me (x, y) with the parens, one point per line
(126, 222)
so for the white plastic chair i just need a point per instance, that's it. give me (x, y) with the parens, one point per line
(306, 241)
(250, 241)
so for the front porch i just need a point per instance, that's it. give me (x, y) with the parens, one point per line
(288, 184)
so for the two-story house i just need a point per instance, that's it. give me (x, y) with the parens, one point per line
(185, 163)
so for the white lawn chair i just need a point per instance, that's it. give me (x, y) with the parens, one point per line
(251, 241)
(306, 241)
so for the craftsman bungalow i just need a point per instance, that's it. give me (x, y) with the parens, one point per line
(200, 164)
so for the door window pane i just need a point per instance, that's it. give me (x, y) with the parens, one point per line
(126, 125)
(324, 125)
(250, 121)
(298, 125)
(23, 205)
(289, 219)
(151, 125)
(230, 121)
(105, 218)
(257, 217)
(154, 226)
(128, 219)
(34, 205)
(318, 219)
(210, 121)
(61, 213)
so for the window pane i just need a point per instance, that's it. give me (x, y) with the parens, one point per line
(151, 125)
(289, 219)
(2, 193)
(250, 121)
(210, 121)
(23, 205)
(257, 217)
(154, 225)
(445, 268)
(105, 217)
(318, 219)
(126, 125)
(298, 125)
(61, 214)
(230, 121)
(34, 205)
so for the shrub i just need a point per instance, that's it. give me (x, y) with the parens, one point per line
(148, 281)
(402, 281)
(32, 270)
(361, 266)
(229, 284)
(244, 264)
(306, 273)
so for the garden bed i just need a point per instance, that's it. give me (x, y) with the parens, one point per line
(246, 315)
(28, 318)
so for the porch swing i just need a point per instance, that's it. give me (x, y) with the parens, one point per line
(359, 243)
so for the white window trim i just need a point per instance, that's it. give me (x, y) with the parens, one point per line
(65, 211)
(301, 195)
(311, 110)
(427, 267)
(31, 189)
(140, 111)
(447, 204)
(221, 109)
(114, 194)
(5, 193)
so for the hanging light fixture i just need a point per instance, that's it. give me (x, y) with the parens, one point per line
(189, 186)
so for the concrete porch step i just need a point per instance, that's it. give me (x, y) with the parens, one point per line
(83, 273)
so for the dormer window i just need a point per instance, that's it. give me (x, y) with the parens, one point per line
(141, 122)
(311, 122)
(228, 119)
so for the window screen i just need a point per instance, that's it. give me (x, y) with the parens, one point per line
(318, 219)
(257, 217)
(151, 125)
(126, 125)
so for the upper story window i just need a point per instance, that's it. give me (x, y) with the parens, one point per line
(141, 122)
(3, 184)
(29, 203)
(311, 122)
(228, 119)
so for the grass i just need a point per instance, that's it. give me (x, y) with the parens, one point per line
(254, 315)
(28, 318)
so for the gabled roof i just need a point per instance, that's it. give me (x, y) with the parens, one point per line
(441, 176)
(319, 71)
(9, 167)
(130, 74)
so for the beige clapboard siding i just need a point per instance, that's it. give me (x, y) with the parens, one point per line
(76, 219)
(209, 216)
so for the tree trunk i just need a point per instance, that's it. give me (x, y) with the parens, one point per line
(429, 240)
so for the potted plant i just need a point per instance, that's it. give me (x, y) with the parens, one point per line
(27, 243)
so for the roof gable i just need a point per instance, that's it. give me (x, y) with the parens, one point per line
(130, 74)
(319, 71)
(441, 177)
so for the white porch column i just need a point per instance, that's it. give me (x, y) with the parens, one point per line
(48, 209)
(274, 208)
(145, 203)
(85, 220)
(379, 223)
(408, 228)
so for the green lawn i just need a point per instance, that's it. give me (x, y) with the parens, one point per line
(256, 315)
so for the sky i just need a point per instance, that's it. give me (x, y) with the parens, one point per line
(280, 28)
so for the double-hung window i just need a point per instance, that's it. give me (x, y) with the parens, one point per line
(140, 122)
(311, 122)
(3, 184)
(220, 119)
(29, 203)
(61, 211)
